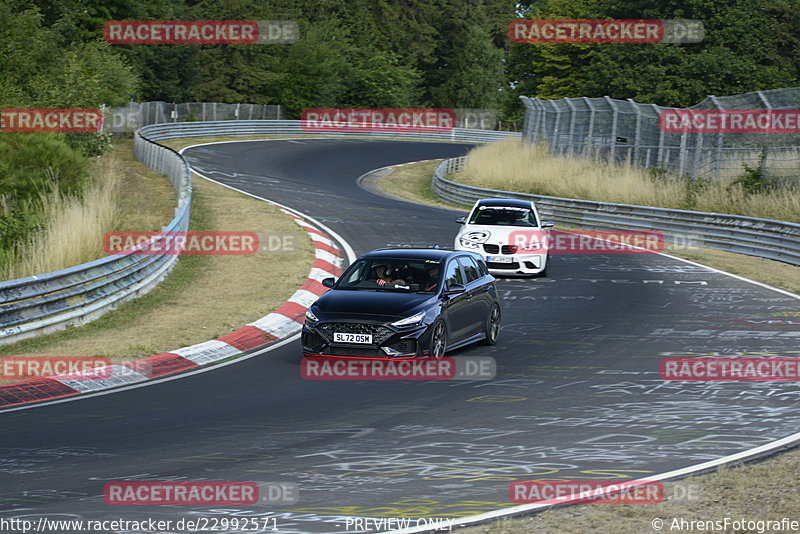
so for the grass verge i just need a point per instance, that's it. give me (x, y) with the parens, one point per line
(203, 297)
(757, 491)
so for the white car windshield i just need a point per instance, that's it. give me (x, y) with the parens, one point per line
(503, 216)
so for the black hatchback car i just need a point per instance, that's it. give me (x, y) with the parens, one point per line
(404, 303)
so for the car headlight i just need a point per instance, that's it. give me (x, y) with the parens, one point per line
(532, 245)
(310, 316)
(466, 243)
(414, 320)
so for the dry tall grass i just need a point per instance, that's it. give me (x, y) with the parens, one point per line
(75, 227)
(513, 165)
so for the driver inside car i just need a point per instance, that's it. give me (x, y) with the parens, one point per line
(383, 272)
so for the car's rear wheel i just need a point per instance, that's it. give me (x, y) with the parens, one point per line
(492, 328)
(438, 341)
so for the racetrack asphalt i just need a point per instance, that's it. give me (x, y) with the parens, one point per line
(577, 393)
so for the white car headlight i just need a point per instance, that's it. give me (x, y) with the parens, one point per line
(310, 316)
(411, 321)
(466, 243)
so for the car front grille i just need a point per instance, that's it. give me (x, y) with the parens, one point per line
(494, 249)
(507, 266)
(378, 332)
(355, 352)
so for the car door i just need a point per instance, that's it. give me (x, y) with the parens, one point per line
(479, 301)
(456, 307)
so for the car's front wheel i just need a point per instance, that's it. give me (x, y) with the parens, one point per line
(438, 340)
(492, 328)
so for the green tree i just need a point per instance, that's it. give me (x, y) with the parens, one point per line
(474, 73)
(732, 59)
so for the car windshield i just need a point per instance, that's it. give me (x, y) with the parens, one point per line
(503, 216)
(387, 274)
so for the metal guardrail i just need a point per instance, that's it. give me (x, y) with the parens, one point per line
(764, 238)
(48, 302)
(259, 127)
(45, 303)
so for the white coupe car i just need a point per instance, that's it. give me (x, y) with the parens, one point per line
(509, 235)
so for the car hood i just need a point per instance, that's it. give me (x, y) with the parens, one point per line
(499, 235)
(377, 304)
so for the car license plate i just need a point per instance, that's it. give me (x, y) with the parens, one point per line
(499, 259)
(339, 337)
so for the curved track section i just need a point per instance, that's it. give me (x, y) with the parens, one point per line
(577, 393)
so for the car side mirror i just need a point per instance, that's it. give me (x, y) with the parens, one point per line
(547, 224)
(455, 289)
(328, 282)
(462, 219)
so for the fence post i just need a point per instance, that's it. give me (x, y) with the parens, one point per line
(637, 133)
(762, 164)
(698, 147)
(590, 135)
(613, 153)
(529, 121)
(682, 153)
(538, 124)
(720, 141)
(660, 155)
(572, 112)
(555, 143)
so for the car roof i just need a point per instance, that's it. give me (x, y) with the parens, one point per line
(513, 202)
(438, 254)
